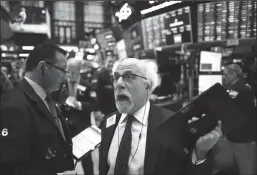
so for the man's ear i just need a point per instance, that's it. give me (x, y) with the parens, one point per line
(42, 67)
(148, 84)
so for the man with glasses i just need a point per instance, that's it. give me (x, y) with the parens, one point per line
(131, 143)
(35, 139)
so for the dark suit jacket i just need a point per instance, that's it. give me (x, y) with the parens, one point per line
(34, 145)
(244, 100)
(160, 158)
(105, 94)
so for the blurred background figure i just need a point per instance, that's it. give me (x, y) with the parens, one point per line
(6, 84)
(242, 141)
(77, 105)
(104, 88)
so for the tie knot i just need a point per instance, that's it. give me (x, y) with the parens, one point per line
(130, 119)
(48, 96)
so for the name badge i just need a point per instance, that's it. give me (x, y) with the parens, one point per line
(111, 121)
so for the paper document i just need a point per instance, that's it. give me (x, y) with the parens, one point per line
(88, 140)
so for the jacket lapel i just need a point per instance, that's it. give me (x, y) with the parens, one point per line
(29, 91)
(107, 139)
(153, 140)
(65, 127)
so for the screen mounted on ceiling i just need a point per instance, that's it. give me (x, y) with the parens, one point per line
(222, 20)
(169, 28)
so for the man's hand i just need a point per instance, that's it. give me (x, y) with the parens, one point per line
(71, 172)
(72, 102)
(206, 142)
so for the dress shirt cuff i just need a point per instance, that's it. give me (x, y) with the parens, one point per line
(194, 159)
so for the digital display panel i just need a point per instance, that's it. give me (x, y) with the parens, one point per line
(169, 28)
(106, 39)
(133, 39)
(210, 61)
(224, 20)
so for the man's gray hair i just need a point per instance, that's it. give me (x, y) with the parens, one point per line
(148, 69)
(236, 69)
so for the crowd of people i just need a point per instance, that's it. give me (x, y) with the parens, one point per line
(54, 101)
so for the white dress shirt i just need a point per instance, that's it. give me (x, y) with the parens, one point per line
(137, 154)
(39, 90)
(136, 158)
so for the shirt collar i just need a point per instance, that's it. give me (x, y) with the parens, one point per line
(38, 89)
(139, 115)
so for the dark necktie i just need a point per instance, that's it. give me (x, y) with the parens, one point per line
(53, 110)
(121, 165)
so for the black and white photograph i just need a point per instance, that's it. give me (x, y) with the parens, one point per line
(128, 87)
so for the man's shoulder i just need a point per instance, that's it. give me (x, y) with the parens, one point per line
(166, 113)
(13, 98)
(241, 86)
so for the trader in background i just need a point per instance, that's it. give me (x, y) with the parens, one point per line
(131, 143)
(242, 139)
(75, 99)
(77, 104)
(35, 139)
(104, 88)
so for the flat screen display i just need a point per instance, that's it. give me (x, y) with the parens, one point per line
(169, 28)
(206, 81)
(133, 39)
(224, 20)
(210, 61)
(106, 39)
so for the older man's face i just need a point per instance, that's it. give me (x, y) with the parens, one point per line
(130, 92)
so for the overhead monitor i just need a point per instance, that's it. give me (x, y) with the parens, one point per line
(222, 20)
(169, 28)
(33, 20)
(106, 39)
(210, 61)
(206, 81)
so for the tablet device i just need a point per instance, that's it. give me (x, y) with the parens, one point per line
(86, 141)
(216, 103)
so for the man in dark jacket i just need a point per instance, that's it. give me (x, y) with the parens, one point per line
(35, 139)
(242, 139)
(131, 140)
(104, 88)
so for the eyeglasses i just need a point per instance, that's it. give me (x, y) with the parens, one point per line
(126, 77)
(61, 69)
